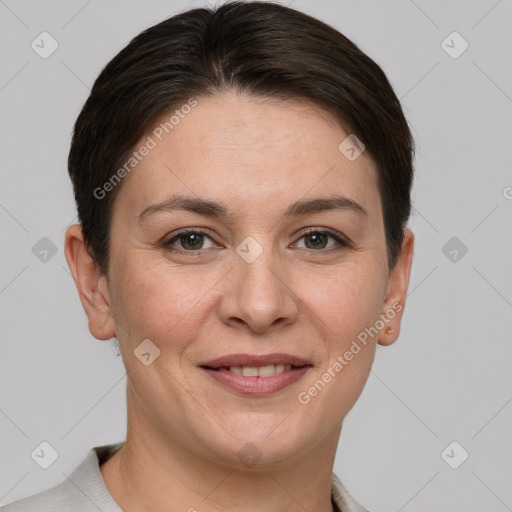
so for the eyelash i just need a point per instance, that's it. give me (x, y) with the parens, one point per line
(343, 242)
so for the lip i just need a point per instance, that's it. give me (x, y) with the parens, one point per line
(218, 370)
(257, 386)
(255, 360)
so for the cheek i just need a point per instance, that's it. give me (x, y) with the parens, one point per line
(344, 302)
(346, 299)
(159, 301)
(342, 307)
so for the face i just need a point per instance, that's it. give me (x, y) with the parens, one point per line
(245, 238)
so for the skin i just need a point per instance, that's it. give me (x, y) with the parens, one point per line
(256, 158)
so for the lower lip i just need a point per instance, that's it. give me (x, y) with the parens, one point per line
(257, 386)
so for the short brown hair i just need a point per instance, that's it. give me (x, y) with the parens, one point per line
(260, 48)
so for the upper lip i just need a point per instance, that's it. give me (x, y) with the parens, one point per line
(255, 360)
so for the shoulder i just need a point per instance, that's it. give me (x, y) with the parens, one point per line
(58, 499)
(83, 491)
(342, 497)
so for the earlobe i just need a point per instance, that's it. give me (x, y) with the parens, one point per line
(398, 283)
(90, 283)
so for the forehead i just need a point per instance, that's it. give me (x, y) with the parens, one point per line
(246, 152)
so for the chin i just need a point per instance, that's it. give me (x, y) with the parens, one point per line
(259, 444)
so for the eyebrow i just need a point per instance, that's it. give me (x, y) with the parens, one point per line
(214, 209)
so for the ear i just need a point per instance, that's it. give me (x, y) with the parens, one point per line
(90, 283)
(398, 283)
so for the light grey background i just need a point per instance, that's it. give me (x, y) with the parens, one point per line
(448, 377)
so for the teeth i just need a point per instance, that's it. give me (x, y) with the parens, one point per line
(249, 371)
(267, 370)
(260, 371)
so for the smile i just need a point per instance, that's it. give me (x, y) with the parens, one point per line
(243, 374)
(258, 371)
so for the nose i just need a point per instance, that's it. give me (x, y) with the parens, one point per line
(258, 296)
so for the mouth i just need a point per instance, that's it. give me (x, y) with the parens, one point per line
(268, 370)
(257, 375)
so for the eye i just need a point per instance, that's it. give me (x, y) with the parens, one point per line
(192, 240)
(189, 241)
(317, 239)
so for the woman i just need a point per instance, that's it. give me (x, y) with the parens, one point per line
(242, 178)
